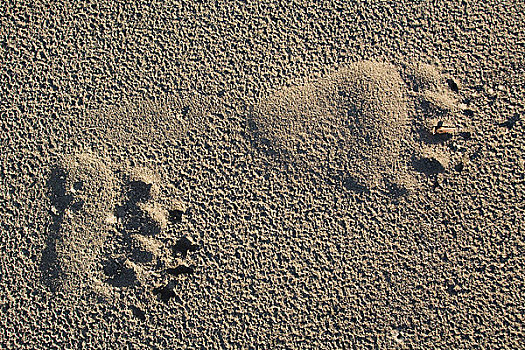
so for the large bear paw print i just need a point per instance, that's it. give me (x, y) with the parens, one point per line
(113, 231)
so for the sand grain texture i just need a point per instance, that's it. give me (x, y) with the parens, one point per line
(252, 175)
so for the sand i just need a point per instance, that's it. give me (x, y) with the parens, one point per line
(252, 175)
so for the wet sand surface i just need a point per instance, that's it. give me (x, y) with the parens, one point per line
(260, 175)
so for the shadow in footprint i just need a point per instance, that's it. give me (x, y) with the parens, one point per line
(175, 215)
(139, 191)
(183, 246)
(351, 184)
(166, 293)
(60, 200)
(428, 166)
(180, 270)
(119, 275)
(395, 190)
(432, 139)
(134, 219)
(138, 313)
(141, 256)
(433, 108)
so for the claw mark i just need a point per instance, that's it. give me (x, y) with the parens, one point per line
(138, 313)
(452, 85)
(166, 293)
(179, 270)
(183, 246)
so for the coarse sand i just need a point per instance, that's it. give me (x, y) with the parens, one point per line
(245, 175)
